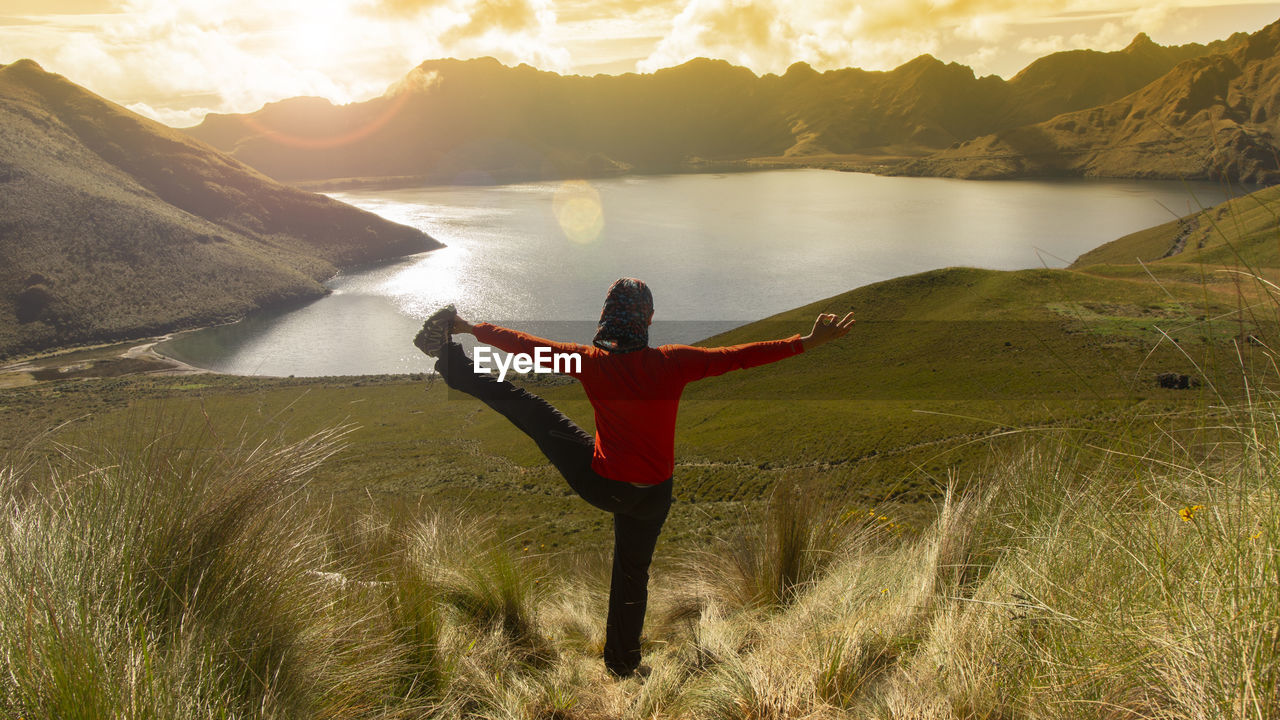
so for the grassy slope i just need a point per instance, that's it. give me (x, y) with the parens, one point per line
(184, 582)
(937, 371)
(1242, 231)
(114, 226)
(1062, 581)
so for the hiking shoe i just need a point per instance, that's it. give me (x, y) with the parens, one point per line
(436, 331)
(641, 672)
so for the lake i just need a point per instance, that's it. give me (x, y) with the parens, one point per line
(717, 250)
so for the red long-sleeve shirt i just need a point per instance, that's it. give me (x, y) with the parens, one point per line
(636, 395)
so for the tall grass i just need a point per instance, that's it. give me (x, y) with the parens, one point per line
(1136, 576)
(181, 580)
(780, 549)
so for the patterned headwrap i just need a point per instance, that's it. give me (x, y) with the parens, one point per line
(624, 321)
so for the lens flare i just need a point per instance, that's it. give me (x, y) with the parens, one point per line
(579, 212)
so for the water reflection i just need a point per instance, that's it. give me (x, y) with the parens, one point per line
(718, 251)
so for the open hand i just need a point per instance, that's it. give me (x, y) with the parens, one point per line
(826, 328)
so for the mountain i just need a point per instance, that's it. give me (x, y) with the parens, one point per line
(1212, 117)
(115, 226)
(477, 120)
(928, 104)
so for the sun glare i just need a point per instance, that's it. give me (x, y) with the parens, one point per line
(579, 212)
(313, 42)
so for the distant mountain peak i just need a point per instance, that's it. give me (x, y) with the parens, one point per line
(448, 63)
(28, 72)
(305, 102)
(24, 64)
(921, 61)
(1140, 42)
(706, 63)
(800, 69)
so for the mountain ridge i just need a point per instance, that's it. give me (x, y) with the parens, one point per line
(1216, 116)
(451, 120)
(114, 226)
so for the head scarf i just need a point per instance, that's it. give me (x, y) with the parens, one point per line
(624, 321)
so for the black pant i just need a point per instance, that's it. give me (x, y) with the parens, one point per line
(638, 512)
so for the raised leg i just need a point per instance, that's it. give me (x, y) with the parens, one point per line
(566, 445)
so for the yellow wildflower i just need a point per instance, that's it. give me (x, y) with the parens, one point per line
(1189, 513)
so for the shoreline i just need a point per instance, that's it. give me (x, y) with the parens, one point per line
(136, 357)
(874, 164)
(886, 165)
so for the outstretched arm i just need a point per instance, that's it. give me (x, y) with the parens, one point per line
(697, 363)
(826, 329)
(508, 340)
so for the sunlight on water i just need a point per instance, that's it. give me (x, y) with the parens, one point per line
(718, 251)
(430, 282)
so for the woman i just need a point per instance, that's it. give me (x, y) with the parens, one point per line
(626, 469)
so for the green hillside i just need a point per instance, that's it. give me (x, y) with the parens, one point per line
(980, 503)
(1242, 231)
(114, 226)
(943, 369)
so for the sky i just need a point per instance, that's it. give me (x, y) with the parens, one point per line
(176, 60)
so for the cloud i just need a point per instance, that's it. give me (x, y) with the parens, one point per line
(769, 35)
(623, 10)
(513, 31)
(748, 32)
(877, 34)
(1110, 36)
(171, 117)
(403, 8)
(988, 27)
(230, 55)
(1039, 46)
(60, 7)
(503, 15)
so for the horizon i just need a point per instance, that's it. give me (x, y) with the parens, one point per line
(229, 59)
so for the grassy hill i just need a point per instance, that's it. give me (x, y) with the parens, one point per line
(114, 226)
(1244, 231)
(478, 121)
(943, 369)
(981, 503)
(1096, 541)
(1211, 117)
